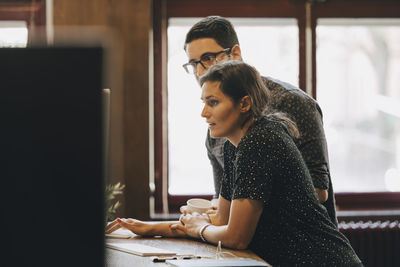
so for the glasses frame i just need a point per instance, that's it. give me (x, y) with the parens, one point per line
(195, 62)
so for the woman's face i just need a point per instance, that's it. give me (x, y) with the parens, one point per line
(224, 117)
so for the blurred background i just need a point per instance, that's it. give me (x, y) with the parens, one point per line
(345, 54)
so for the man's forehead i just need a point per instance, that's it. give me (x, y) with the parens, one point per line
(198, 47)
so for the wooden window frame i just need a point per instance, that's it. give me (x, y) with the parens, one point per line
(163, 10)
(357, 9)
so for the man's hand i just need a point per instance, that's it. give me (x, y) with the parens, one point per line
(322, 195)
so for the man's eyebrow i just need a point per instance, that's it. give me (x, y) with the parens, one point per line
(208, 53)
(205, 53)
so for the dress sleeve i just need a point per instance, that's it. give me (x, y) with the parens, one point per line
(253, 170)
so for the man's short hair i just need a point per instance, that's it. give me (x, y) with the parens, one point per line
(215, 27)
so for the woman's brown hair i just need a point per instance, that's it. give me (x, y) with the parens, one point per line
(237, 80)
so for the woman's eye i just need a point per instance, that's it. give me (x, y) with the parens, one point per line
(212, 102)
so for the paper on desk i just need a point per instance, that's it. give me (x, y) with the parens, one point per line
(216, 263)
(138, 249)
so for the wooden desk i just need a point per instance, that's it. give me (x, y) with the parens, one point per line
(180, 245)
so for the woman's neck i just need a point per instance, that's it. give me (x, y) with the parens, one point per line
(242, 131)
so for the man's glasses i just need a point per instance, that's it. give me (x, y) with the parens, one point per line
(206, 60)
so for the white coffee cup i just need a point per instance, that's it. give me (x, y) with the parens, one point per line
(198, 205)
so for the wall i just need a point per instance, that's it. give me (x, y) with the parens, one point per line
(131, 21)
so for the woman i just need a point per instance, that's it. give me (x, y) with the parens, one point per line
(267, 201)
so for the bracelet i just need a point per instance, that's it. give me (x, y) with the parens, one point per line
(202, 230)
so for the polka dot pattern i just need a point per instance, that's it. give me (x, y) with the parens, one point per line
(305, 111)
(294, 228)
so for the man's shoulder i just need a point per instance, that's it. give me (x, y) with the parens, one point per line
(284, 90)
(291, 99)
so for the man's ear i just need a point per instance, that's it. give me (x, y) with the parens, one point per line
(245, 104)
(236, 53)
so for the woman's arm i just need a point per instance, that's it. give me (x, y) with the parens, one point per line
(243, 220)
(221, 216)
(146, 228)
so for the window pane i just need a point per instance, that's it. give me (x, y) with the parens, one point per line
(271, 45)
(13, 34)
(358, 87)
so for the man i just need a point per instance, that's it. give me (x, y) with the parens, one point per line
(212, 40)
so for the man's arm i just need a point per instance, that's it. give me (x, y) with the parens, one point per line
(215, 153)
(218, 173)
(308, 117)
(313, 148)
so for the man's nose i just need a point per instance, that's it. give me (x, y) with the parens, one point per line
(199, 73)
(200, 70)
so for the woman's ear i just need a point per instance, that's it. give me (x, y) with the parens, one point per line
(245, 104)
(236, 53)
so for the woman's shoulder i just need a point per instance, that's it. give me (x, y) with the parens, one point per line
(265, 133)
(267, 126)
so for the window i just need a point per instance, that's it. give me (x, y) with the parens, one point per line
(189, 168)
(358, 64)
(317, 47)
(13, 34)
(18, 19)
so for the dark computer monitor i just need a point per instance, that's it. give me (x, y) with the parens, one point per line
(51, 147)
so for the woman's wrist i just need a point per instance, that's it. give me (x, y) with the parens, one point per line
(201, 231)
(159, 229)
(148, 229)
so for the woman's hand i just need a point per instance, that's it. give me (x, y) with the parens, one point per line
(146, 228)
(112, 226)
(135, 226)
(191, 224)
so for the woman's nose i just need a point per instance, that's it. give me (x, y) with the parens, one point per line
(204, 112)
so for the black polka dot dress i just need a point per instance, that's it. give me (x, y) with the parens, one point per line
(305, 111)
(294, 228)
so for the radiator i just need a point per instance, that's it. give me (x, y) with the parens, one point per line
(376, 243)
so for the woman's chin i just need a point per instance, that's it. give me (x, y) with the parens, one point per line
(215, 134)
